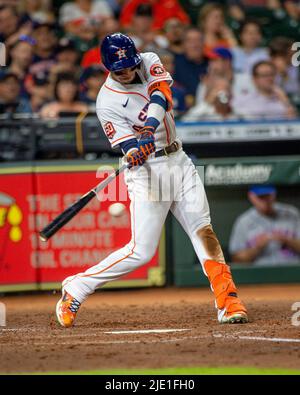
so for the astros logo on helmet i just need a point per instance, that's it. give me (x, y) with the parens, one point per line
(121, 53)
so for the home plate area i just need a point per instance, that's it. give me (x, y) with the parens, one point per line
(150, 328)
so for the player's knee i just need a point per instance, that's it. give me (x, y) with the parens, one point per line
(144, 254)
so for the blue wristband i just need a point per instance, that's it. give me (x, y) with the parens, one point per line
(128, 144)
(153, 122)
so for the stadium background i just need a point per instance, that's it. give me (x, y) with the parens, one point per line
(48, 160)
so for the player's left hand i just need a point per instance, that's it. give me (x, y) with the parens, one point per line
(146, 141)
(136, 158)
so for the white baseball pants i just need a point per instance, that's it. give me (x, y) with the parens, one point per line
(162, 184)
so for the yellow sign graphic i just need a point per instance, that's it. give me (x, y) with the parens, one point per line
(11, 213)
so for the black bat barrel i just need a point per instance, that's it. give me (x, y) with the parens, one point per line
(65, 216)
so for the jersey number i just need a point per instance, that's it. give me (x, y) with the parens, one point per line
(109, 130)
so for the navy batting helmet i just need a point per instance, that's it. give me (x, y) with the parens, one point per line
(119, 52)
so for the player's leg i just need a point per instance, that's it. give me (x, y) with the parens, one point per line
(147, 219)
(192, 210)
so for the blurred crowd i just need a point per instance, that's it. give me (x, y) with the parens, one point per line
(229, 59)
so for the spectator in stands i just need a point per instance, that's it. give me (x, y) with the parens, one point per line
(81, 20)
(192, 7)
(8, 22)
(11, 28)
(216, 33)
(66, 54)
(268, 233)
(92, 79)
(44, 50)
(287, 75)
(220, 66)
(78, 13)
(258, 3)
(216, 105)
(163, 10)
(174, 32)
(145, 39)
(36, 11)
(268, 100)
(191, 65)
(235, 15)
(45, 38)
(272, 4)
(116, 7)
(66, 93)
(108, 26)
(40, 91)
(286, 19)
(292, 8)
(21, 55)
(92, 56)
(11, 3)
(249, 52)
(178, 92)
(10, 100)
(66, 61)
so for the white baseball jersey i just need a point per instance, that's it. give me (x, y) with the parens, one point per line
(122, 109)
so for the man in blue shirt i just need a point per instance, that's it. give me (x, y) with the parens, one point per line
(191, 66)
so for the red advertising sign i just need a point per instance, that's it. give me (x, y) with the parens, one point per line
(15, 223)
(28, 202)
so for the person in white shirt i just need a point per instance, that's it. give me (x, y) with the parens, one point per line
(249, 52)
(74, 14)
(216, 105)
(221, 66)
(267, 101)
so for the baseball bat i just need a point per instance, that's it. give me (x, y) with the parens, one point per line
(72, 210)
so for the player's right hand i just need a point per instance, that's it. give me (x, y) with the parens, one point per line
(136, 158)
(146, 141)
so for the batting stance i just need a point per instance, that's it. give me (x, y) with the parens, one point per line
(134, 107)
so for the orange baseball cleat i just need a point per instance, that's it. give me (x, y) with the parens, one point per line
(66, 310)
(230, 308)
(234, 311)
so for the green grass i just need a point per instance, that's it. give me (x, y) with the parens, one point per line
(185, 371)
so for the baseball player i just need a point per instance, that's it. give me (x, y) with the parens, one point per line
(134, 107)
